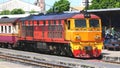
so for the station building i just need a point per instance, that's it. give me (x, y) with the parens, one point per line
(13, 4)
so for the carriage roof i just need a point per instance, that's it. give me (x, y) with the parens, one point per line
(8, 20)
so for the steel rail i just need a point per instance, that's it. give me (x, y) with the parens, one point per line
(30, 62)
(55, 60)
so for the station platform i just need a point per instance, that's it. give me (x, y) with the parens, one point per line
(111, 56)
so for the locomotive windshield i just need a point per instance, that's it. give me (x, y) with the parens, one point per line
(80, 23)
(94, 23)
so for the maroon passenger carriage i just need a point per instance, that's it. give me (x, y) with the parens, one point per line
(8, 32)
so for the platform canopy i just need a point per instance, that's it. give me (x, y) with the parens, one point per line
(110, 17)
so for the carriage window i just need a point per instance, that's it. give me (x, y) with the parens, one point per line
(5, 29)
(23, 23)
(32, 23)
(48, 22)
(28, 23)
(94, 23)
(2, 29)
(44, 23)
(59, 26)
(37, 23)
(9, 29)
(49, 25)
(59, 22)
(80, 23)
(54, 22)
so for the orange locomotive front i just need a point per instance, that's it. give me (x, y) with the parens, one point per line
(70, 34)
(85, 36)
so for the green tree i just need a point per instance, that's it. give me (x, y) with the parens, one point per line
(17, 11)
(103, 4)
(32, 11)
(60, 6)
(5, 12)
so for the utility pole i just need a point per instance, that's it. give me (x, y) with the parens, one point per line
(86, 14)
(86, 5)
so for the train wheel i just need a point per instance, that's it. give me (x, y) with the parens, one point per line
(55, 50)
(0, 45)
(30, 47)
(20, 45)
(65, 51)
(58, 50)
(100, 57)
(6, 45)
(62, 53)
(10, 46)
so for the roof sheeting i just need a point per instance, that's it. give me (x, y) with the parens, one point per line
(104, 10)
(50, 17)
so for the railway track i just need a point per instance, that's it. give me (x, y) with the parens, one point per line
(107, 59)
(52, 61)
(9, 58)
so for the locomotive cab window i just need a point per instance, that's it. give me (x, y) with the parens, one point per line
(68, 24)
(80, 23)
(94, 23)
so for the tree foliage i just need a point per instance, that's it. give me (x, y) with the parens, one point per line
(32, 11)
(103, 4)
(60, 6)
(17, 11)
(5, 12)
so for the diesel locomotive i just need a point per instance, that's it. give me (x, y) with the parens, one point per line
(71, 34)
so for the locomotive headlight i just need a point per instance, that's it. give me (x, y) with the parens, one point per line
(97, 37)
(78, 37)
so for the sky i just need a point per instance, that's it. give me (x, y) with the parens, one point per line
(50, 3)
